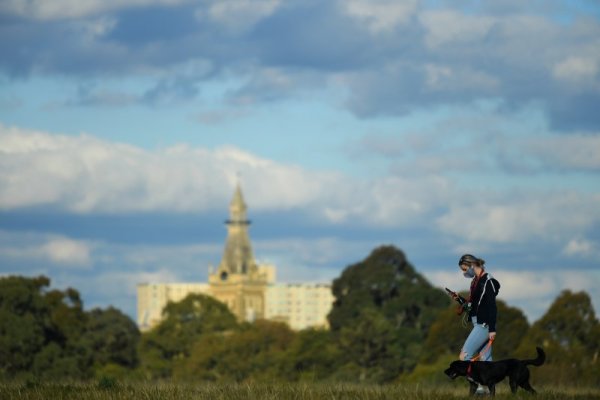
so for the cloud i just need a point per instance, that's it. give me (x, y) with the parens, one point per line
(577, 152)
(504, 219)
(55, 251)
(64, 9)
(482, 140)
(85, 175)
(269, 84)
(67, 251)
(239, 15)
(449, 27)
(577, 69)
(381, 15)
(582, 248)
(399, 58)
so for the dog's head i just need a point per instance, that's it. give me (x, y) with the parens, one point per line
(457, 368)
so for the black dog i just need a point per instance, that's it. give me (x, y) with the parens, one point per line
(488, 373)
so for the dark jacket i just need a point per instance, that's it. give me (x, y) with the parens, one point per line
(484, 290)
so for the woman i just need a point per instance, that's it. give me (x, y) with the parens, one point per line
(481, 306)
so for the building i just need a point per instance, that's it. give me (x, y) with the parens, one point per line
(300, 305)
(246, 287)
(153, 297)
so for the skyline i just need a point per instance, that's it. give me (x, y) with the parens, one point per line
(437, 127)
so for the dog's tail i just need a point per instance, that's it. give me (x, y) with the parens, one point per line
(541, 357)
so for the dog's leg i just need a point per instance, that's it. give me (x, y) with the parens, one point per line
(492, 388)
(524, 381)
(525, 385)
(513, 384)
(472, 388)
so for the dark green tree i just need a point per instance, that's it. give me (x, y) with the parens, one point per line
(379, 349)
(24, 321)
(65, 354)
(569, 332)
(112, 337)
(381, 314)
(253, 352)
(41, 330)
(313, 355)
(47, 334)
(183, 324)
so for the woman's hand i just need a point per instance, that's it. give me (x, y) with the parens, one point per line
(492, 335)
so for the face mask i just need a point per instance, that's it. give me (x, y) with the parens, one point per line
(469, 273)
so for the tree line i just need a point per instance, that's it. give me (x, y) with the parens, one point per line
(387, 324)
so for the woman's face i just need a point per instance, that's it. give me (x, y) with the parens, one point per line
(464, 267)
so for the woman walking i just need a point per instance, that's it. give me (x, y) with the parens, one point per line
(481, 309)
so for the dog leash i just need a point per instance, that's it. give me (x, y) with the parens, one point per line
(478, 356)
(486, 348)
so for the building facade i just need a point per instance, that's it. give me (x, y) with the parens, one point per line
(153, 297)
(300, 305)
(246, 287)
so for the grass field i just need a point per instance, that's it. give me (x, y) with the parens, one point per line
(113, 390)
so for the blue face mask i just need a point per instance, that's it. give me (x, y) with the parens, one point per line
(469, 273)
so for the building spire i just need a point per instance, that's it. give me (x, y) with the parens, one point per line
(237, 208)
(237, 256)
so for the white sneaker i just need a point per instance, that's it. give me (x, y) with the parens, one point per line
(481, 391)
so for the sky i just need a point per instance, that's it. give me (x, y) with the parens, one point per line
(439, 127)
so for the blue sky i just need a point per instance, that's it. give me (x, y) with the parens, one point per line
(440, 127)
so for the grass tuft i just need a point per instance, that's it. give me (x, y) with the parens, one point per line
(107, 388)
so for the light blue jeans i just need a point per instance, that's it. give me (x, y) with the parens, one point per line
(476, 342)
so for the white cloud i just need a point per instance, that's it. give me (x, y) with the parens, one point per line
(523, 217)
(451, 27)
(83, 174)
(56, 250)
(240, 15)
(577, 69)
(572, 152)
(581, 248)
(67, 251)
(445, 78)
(380, 15)
(61, 9)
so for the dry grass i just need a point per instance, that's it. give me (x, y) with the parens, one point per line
(111, 389)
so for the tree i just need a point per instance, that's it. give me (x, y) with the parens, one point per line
(113, 338)
(253, 352)
(380, 350)
(381, 314)
(313, 355)
(23, 323)
(41, 330)
(183, 324)
(569, 332)
(65, 355)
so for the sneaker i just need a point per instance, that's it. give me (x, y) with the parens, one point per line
(481, 391)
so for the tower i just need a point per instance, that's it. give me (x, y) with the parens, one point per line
(238, 281)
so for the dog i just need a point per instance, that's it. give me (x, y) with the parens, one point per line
(488, 373)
